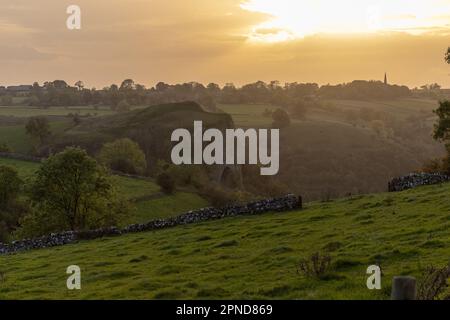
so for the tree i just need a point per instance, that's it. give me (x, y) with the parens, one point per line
(123, 106)
(442, 130)
(10, 185)
(299, 109)
(38, 128)
(79, 84)
(166, 182)
(11, 209)
(447, 56)
(71, 191)
(123, 155)
(280, 119)
(127, 84)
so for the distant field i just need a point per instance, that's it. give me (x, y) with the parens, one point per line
(252, 257)
(248, 115)
(401, 107)
(159, 206)
(25, 169)
(18, 111)
(17, 139)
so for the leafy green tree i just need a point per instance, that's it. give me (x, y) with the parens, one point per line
(123, 155)
(38, 128)
(10, 208)
(71, 191)
(10, 185)
(280, 119)
(442, 130)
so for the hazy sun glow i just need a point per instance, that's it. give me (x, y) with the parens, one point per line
(290, 19)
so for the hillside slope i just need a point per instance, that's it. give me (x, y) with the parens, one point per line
(250, 257)
(347, 146)
(150, 127)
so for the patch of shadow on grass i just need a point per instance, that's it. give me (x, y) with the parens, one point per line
(396, 255)
(167, 295)
(363, 217)
(168, 269)
(212, 293)
(433, 244)
(344, 264)
(275, 292)
(146, 286)
(280, 250)
(332, 246)
(104, 264)
(320, 218)
(229, 243)
(114, 275)
(139, 259)
(204, 238)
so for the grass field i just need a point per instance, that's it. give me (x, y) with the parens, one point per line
(17, 139)
(250, 257)
(251, 115)
(159, 206)
(26, 112)
(248, 115)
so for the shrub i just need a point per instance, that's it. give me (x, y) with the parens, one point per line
(123, 106)
(39, 129)
(316, 265)
(166, 182)
(5, 148)
(433, 283)
(123, 155)
(280, 119)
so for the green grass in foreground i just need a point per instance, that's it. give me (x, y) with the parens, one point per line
(166, 206)
(250, 257)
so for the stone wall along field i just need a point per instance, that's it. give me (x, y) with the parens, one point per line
(286, 203)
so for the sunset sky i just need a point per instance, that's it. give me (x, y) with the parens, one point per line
(323, 41)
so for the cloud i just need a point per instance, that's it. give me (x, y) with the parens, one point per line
(175, 41)
(22, 53)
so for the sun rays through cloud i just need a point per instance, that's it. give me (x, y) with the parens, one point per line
(291, 19)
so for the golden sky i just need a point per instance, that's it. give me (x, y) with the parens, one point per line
(240, 41)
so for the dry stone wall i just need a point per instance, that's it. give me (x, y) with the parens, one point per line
(286, 203)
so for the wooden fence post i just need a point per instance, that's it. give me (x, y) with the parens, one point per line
(404, 288)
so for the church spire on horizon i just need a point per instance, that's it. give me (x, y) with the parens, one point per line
(385, 78)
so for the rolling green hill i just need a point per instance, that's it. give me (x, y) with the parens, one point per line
(150, 127)
(250, 257)
(349, 146)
